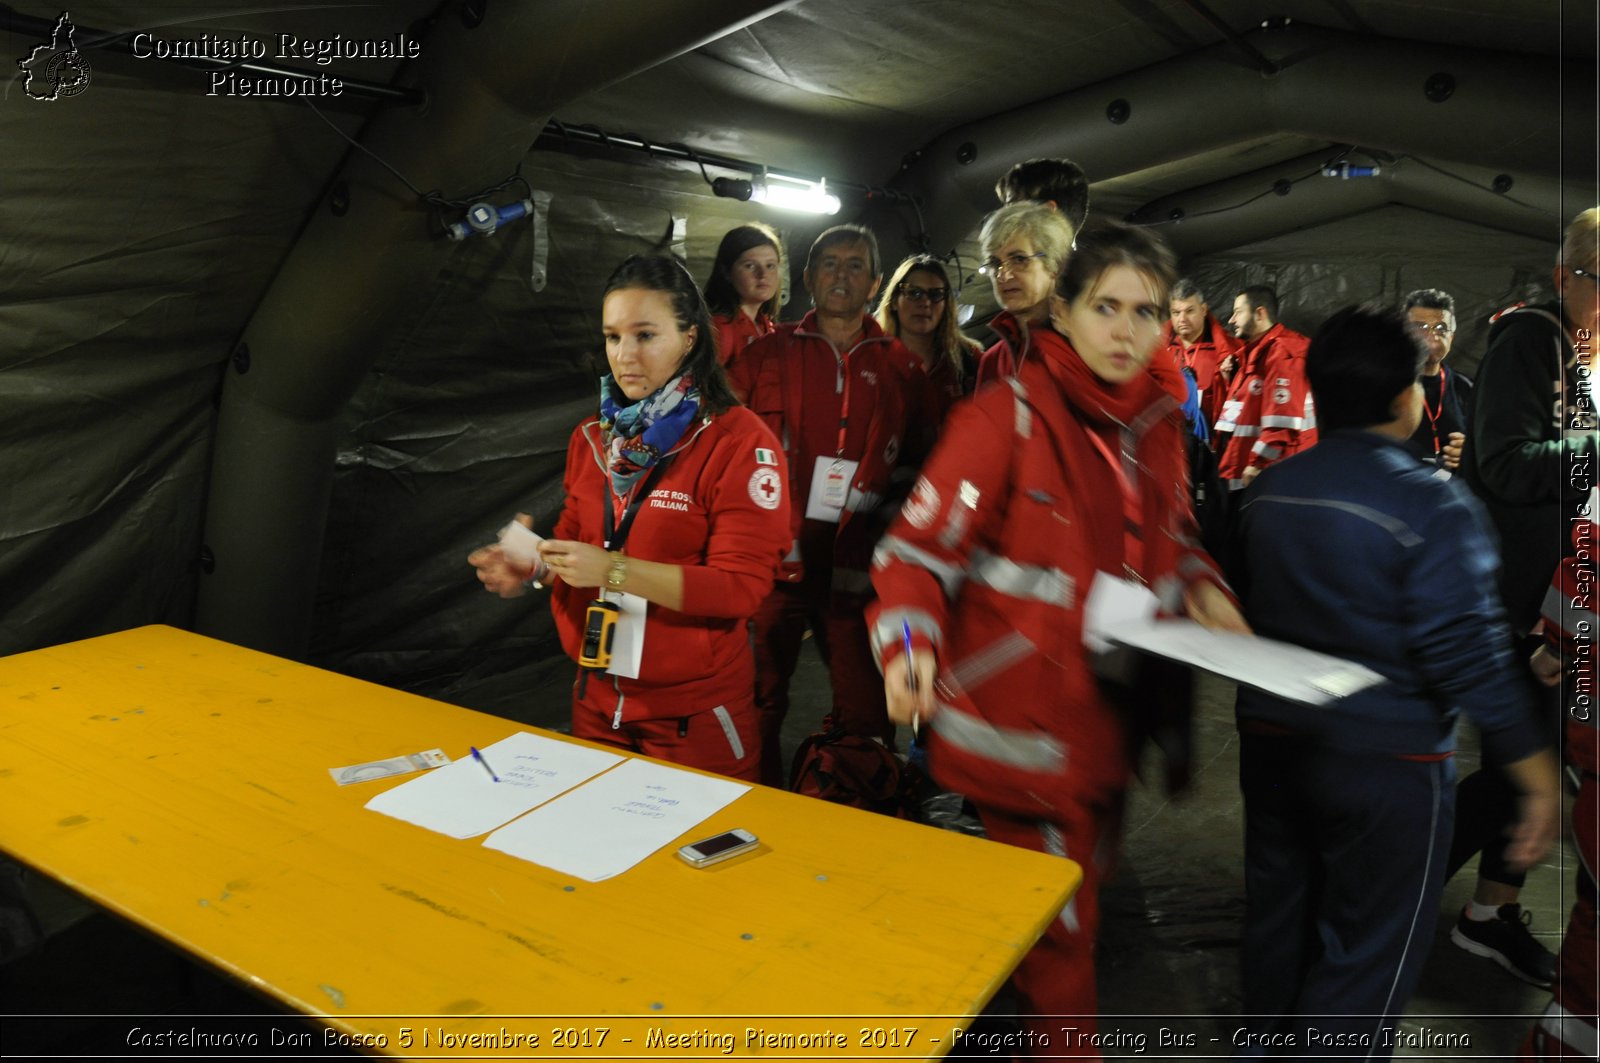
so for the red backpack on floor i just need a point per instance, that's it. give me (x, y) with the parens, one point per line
(851, 770)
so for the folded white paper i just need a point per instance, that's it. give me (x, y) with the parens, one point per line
(608, 826)
(463, 801)
(1291, 672)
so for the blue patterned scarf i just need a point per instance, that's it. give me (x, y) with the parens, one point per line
(638, 434)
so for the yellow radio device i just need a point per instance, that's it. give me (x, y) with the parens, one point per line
(599, 628)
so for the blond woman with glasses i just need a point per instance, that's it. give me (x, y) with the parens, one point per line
(1025, 247)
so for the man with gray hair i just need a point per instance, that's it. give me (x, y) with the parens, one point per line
(1446, 393)
(1201, 347)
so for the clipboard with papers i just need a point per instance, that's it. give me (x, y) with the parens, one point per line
(1281, 669)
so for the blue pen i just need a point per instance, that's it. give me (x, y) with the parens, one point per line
(911, 674)
(479, 758)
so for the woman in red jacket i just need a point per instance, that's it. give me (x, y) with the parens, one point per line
(1026, 247)
(745, 285)
(918, 308)
(1068, 485)
(675, 513)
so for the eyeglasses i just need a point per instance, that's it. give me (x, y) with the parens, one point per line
(1015, 263)
(1583, 273)
(1439, 329)
(919, 295)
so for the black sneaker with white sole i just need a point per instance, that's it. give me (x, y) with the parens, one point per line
(1506, 940)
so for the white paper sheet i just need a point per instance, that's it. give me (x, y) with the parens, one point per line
(606, 827)
(1114, 602)
(461, 800)
(1280, 668)
(520, 544)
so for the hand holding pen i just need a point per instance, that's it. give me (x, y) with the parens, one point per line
(908, 684)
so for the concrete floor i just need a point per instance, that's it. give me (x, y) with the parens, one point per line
(1172, 915)
(1169, 942)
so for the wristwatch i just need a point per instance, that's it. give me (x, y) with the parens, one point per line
(617, 574)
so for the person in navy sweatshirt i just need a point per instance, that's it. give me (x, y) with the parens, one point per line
(1354, 548)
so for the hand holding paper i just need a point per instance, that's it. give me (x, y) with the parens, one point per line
(519, 543)
(1208, 606)
(1279, 668)
(505, 566)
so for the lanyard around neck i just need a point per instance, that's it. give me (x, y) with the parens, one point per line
(1132, 510)
(616, 531)
(1435, 414)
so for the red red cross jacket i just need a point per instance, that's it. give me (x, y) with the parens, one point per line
(1011, 350)
(891, 419)
(992, 558)
(720, 508)
(738, 330)
(1268, 410)
(1214, 345)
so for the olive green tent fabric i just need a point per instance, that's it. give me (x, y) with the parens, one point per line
(141, 223)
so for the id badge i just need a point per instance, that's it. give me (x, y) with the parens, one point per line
(627, 644)
(830, 487)
(834, 484)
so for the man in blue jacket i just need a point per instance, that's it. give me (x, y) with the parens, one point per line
(1354, 548)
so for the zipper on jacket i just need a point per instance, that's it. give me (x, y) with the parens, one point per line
(616, 717)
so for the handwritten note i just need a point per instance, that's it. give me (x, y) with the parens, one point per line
(461, 799)
(615, 821)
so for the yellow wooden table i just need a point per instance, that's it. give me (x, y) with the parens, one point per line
(182, 783)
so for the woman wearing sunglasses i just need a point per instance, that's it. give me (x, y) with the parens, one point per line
(919, 309)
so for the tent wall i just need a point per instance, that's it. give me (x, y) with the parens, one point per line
(139, 230)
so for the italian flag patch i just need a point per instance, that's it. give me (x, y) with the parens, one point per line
(766, 457)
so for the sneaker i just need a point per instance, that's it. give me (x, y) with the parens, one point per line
(1505, 940)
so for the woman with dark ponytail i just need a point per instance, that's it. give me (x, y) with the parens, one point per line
(675, 520)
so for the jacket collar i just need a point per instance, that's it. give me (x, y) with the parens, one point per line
(871, 330)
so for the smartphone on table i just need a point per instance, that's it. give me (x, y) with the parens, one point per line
(717, 848)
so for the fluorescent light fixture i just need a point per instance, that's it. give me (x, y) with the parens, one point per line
(791, 193)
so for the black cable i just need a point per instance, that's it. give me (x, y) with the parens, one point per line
(694, 157)
(1334, 160)
(954, 257)
(434, 198)
(374, 155)
(922, 226)
(1481, 188)
(1272, 190)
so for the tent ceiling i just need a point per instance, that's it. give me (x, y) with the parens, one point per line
(851, 89)
(1122, 195)
(854, 89)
